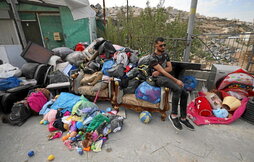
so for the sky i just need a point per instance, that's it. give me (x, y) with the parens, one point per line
(230, 9)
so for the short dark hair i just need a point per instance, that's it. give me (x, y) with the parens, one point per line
(159, 39)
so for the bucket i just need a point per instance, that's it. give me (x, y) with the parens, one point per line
(231, 103)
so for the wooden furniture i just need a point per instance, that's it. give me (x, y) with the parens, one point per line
(86, 90)
(131, 102)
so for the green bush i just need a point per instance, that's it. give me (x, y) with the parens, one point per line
(139, 32)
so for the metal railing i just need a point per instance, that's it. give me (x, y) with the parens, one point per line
(207, 49)
(228, 49)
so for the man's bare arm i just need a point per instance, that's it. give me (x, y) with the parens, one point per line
(159, 68)
(167, 69)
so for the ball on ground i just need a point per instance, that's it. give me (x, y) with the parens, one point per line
(145, 117)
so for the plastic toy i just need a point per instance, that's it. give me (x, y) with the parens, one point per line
(80, 132)
(68, 144)
(51, 157)
(108, 109)
(87, 149)
(65, 137)
(80, 151)
(30, 153)
(73, 134)
(79, 125)
(73, 139)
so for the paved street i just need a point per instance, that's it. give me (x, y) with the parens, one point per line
(156, 141)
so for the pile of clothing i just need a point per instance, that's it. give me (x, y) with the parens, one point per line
(224, 104)
(87, 126)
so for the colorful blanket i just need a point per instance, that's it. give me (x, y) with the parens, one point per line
(238, 84)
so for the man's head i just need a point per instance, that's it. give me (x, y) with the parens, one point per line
(160, 44)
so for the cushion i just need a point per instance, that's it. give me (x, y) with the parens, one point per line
(132, 100)
(87, 91)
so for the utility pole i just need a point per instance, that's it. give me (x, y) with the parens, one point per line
(104, 13)
(18, 22)
(127, 11)
(192, 15)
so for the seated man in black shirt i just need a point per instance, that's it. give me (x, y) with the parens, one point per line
(160, 67)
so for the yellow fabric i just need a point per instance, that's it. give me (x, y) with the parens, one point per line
(132, 100)
(87, 91)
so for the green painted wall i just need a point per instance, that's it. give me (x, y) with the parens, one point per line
(49, 25)
(74, 31)
(27, 16)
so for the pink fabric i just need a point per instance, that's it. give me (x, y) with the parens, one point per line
(36, 100)
(202, 120)
(50, 116)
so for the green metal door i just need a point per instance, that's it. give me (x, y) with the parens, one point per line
(51, 24)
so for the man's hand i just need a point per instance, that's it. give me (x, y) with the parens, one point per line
(156, 73)
(179, 83)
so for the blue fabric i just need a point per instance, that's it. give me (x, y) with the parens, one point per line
(65, 101)
(220, 113)
(148, 93)
(8, 83)
(46, 107)
(106, 66)
(190, 82)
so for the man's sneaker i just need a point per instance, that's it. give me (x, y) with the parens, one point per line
(175, 122)
(187, 124)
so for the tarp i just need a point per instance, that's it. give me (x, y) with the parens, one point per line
(79, 8)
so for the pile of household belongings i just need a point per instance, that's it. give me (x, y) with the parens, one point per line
(224, 104)
(88, 127)
(102, 60)
(106, 60)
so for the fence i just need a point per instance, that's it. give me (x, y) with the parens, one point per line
(207, 49)
(226, 49)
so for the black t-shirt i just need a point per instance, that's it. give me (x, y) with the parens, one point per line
(159, 59)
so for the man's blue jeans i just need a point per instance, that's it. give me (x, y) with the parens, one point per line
(178, 93)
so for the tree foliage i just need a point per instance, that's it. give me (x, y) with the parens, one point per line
(139, 32)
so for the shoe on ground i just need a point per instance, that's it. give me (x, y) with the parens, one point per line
(187, 124)
(175, 122)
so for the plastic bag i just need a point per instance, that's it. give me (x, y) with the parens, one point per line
(148, 93)
(7, 70)
(62, 51)
(57, 77)
(190, 82)
(84, 107)
(75, 58)
(106, 66)
(20, 112)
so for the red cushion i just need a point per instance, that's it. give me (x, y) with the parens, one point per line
(203, 106)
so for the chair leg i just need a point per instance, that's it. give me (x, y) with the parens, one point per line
(115, 107)
(163, 116)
